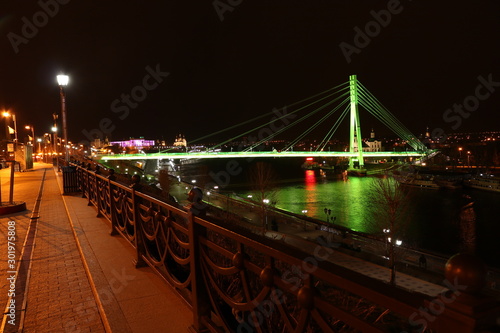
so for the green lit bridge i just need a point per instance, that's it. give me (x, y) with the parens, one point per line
(335, 103)
(156, 156)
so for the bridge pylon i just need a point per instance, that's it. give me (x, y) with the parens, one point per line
(356, 140)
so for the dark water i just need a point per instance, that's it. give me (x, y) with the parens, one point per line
(435, 214)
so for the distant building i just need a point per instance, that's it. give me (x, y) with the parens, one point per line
(98, 143)
(372, 144)
(180, 141)
(134, 143)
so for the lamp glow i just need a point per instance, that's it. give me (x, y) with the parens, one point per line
(63, 80)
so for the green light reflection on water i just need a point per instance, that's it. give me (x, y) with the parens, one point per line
(348, 201)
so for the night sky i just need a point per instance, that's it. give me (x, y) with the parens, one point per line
(216, 67)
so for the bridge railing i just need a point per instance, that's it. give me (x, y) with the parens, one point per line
(237, 281)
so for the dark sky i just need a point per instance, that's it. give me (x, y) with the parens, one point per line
(261, 55)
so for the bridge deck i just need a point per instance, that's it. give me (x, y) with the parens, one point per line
(260, 154)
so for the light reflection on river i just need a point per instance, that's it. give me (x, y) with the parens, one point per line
(434, 223)
(435, 215)
(348, 201)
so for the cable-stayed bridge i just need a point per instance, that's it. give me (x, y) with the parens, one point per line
(305, 117)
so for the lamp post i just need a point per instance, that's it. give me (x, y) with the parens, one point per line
(39, 140)
(46, 139)
(7, 114)
(54, 129)
(30, 127)
(15, 127)
(328, 213)
(63, 80)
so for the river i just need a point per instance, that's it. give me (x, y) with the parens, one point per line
(434, 222)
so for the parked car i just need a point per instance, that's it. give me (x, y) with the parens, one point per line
(3, 163)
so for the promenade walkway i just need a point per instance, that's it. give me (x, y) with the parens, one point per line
(74, 276)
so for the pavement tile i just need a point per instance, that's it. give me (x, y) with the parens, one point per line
(57, 277)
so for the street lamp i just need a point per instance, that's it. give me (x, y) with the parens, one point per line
(29, 127)
(39, 140)
(7, 114)
(46, 139)
(63, 80)
(54, 129)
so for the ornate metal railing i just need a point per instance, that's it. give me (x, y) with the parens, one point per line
(237, 281)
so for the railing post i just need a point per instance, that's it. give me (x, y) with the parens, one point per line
(98, 196)
(85, 182)
(112, 210)
(89, 194)
(139, 241)
(199, 295)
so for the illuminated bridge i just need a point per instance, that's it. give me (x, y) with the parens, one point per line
(336, 103)
(156, 156)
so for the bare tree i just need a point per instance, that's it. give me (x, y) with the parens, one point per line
(391, 216)
(263, 181)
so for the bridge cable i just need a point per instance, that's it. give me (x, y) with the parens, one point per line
(272, 112)
(334, 129)
(377, 109)
(311, 128)
(279, 118)
(300, 120)
(406, 134)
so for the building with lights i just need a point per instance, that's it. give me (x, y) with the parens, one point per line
(372, 144)
(180, 141)
(140, 143)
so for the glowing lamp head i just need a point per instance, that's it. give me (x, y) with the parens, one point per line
(63, 80)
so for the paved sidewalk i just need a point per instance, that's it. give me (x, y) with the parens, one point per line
(26, 189)
(81, 278)
(134, 300)
(60, 297)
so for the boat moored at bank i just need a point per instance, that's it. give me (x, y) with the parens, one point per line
(484, 182)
